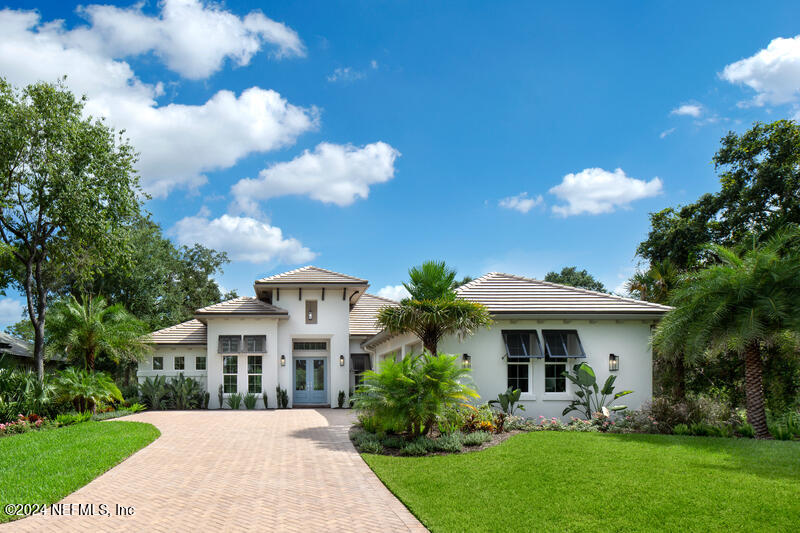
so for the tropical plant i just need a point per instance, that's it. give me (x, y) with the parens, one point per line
(184, 393)
(154, 391)
(745, 302)
(282, 397)
(508, 401)
(264, 397)
(84, 330)
(85, 389)
(206, 398)
(591, 398)
(234, 401)
(249, 400)
(410, 394)
(21, 392)
(220, 396)
(431, 280)
(340, 400)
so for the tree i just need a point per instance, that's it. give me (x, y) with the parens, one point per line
(740, 305)
(433, 309)
(67, 185)
(87, 330)
(575, 278)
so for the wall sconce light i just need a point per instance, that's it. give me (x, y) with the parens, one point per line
(341, 360)
(613, 362)
(310, 315)
(466, 361)
(283, 360)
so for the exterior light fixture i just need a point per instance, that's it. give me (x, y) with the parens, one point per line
(283, 360)
(310, 315)
(613, 362)
(466, 361)
(341, 360)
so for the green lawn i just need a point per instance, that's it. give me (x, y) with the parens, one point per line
(559, 481)
(44, 466)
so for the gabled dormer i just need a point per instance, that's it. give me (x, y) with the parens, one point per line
(326, 283)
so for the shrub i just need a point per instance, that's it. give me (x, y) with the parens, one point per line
(84, 389)
(636, 422)
(363, 438)
(67, 419)
(393, 441)
(412, 393)
(220, 396)
(681, 429)
(413, 449)
(249, 401)
(476, 439)
(282, 397)
(591, 398)
(450, 442)
(785, 426)
(235, 401)
(154, 391)
(21, 392)
(136, 408)
(508, 401)
(702, 429)
(371, 447)
(184, 393)
(340, 400)
(264, 397)
(204, 402)
(745, 430)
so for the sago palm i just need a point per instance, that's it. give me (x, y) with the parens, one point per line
(85, 330)
(745, 302)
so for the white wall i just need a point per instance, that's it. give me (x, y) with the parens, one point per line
(629, 339)
(333, 326)
(169, 353)
(243, 326)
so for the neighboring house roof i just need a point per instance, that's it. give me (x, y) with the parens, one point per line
(190, 332)
(362, 316)
(244, 305)
(508, 294)
(14, 346)
(311, 275)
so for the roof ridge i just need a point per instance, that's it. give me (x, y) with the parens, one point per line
(275, 277)
(379, 297)
(168, 328)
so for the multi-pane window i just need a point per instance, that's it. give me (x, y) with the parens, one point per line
(554, 380)
(200, 362)
(229, 371)
(230, 343)
(158, 363)
(518, 375)
(562, 343)
(179, 362)
(305, 345)
(521, 347)
(254, 374)
(255, 343)
(360, 363)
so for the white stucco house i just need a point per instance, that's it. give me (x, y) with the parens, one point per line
(312, 332)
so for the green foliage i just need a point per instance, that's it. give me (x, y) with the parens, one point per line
(476, 438)
(450, 443)
(591, 398)
(681, 429)
(21, 392)
(394, 442)
(575, 278)
(85, 389)
(136, 408)
(414, 448)
(410, 394)
(206, 399)
(371, 447)
(508, 401)
(432, 280)
(234, 401)
(154, 392)
(88, 329)
(249, 400)
(67, 419)
(74, 177)
(220, 396)
(340, 400)
(282, 397)
(786, 426)
(184, 393)
(745, 430)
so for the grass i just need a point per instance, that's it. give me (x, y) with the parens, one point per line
(41, 467)
(558, 481)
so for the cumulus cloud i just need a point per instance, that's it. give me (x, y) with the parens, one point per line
(243, 238)
(394, 292)
(10, 311)
(595, 191)
(331, 173)
(773, 72)
(689, 110)
(521, 202)
(178, 143)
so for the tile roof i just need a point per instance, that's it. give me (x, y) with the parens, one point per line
(506, 293)
(14, 346)
(311, 275)
(244, 305)
(362, 316)
(190, 332)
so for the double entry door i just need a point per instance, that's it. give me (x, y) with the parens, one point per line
(310, 380)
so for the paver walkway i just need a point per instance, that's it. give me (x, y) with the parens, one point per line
(287, 470)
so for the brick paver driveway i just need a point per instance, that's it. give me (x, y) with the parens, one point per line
(288, 470)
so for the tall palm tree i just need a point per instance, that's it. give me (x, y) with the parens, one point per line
(84, 330)
(433, 310)
(738, 306)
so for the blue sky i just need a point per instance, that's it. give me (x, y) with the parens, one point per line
(366, 137)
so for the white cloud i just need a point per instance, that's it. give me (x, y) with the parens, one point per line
(178, 143)
(373, 64)
(331, 173)
(394, 292)
(666, 133)
(595, 191)
(346, 74)
(773, 72)
(521, 202)
(10, 311)
(193, 38)
(689, 110)
(243, 238)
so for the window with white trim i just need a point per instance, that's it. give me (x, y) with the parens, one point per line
(255, 343)
(230, 364)
(559, 345)
(254, 370)
(521, 347)
(554, 380)
(229, 343)
(158, 363)
(179, 362)
(200, 362)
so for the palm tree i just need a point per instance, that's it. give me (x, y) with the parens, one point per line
(85, 330)
(86, 389)
(433, 310)
(738, 306)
